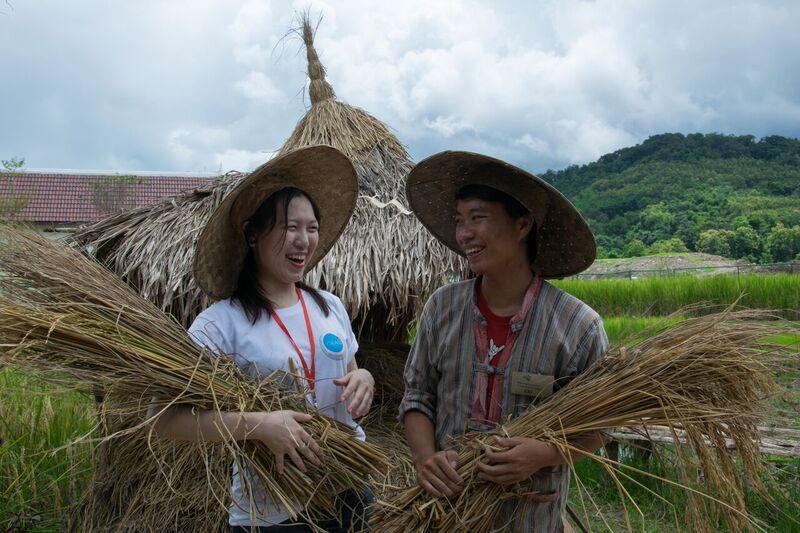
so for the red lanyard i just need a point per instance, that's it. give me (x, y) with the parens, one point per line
(310, 373)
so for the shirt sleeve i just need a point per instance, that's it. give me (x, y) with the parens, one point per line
(421, 376)
(207, 331)
(352, 342)
(593, 346)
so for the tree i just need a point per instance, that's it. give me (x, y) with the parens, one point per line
(658, 219)
(668, 246)
(783, 244)
(608, 247)
(715, 241)
(634, 248)
(11, 202)
(745, 242)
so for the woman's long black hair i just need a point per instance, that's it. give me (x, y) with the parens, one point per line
(248, 290)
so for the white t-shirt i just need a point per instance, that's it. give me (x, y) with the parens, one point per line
(262, 348)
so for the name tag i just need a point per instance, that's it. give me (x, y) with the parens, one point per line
(530, 384)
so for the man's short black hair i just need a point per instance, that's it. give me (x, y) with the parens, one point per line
(512, 206)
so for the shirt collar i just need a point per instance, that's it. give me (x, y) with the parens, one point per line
(527, 303)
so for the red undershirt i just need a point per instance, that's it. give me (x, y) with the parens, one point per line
(497, 333)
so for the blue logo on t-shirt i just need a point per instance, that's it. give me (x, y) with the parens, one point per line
(333, 345)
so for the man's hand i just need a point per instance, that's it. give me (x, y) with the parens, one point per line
(436, 474)
(518, 459)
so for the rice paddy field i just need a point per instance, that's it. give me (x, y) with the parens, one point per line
(42, 476)
(659, 296)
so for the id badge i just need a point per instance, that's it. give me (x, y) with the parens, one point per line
(530, 384)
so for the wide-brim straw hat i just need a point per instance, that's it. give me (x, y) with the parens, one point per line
(322, 172)
(565, 244)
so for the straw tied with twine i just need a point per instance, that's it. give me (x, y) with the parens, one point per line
(68, 320)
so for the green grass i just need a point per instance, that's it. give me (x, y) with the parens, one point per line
(40, 479)
(786, 408)
(594, 497)
(619, 328)
(779, 510)
(654, 296)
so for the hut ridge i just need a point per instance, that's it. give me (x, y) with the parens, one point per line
(319, 89)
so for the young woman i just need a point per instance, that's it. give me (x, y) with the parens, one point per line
(251, 256)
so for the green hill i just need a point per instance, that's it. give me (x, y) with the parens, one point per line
(733, 196)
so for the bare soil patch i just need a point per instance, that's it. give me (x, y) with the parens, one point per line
(688, 263)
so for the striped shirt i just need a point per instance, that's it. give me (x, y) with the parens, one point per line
(560, 336)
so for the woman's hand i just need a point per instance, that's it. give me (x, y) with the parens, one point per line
(359, 388)
(284, 436)
(518, 460)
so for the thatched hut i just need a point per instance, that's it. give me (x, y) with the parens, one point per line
(382, 268)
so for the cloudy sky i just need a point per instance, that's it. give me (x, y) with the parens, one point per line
(216, 85)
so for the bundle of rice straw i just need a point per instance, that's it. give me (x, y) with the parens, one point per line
(703, 377)
(68, 320)
(186, 479)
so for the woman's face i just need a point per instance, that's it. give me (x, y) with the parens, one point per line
(282, 253)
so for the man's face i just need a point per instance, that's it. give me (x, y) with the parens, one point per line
(490, 238)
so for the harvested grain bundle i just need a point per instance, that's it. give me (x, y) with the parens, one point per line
(67, 319)
(128, 493)
(705, 377)
(180, 474)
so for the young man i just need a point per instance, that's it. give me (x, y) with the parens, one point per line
(489, 347)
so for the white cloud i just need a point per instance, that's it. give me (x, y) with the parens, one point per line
(258, 86)
(448, 126)
(241, 160)
(532, 143)
(180, 85)
(251, 55)
(579, 142)
(197, 144)
(253, 19)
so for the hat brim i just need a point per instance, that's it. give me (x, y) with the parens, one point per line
(565, 244)
(322, 172)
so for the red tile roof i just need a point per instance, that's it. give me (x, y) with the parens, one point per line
(59, 198)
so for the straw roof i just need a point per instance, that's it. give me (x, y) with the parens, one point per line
(383, 267)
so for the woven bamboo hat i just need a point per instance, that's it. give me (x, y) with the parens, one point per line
(565, 244)
(322, 172)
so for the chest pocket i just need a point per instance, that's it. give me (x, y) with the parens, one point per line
(527, 389)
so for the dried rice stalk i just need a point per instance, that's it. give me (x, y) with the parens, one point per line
(150, 485)
(70, 321)
(706, 377)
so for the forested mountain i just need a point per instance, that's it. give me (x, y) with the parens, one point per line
(728, 195)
